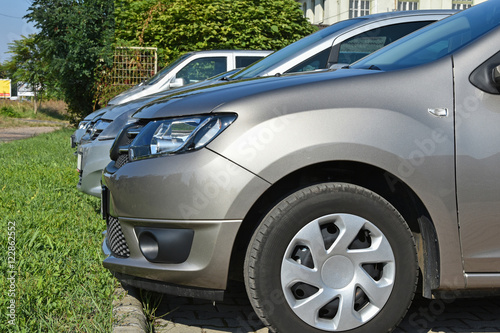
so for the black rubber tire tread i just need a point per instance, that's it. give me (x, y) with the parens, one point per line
(253, 265)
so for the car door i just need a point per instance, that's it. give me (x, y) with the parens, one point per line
(477, 128)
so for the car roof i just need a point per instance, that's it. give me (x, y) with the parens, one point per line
(232, 51)
(406, 13)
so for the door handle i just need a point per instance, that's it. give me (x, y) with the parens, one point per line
(438, 112)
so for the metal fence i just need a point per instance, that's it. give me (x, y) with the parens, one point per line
(132, 65)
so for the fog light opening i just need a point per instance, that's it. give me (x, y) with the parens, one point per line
(149, 245)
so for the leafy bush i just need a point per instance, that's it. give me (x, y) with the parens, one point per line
(8, 111)
(179, 26)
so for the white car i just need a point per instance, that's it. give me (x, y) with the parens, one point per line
(190, 68)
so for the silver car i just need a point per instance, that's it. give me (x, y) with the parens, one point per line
(335, 195)
(339, 44)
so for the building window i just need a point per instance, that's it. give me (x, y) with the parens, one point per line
(407, 5)
(359, 8)
(461, 5)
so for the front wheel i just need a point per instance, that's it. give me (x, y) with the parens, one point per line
(331, 257)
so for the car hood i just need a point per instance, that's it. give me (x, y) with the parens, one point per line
(114, 111)
(222, 97)
(95, 114)
(127, 93)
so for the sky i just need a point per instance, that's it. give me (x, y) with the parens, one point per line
(12, 24)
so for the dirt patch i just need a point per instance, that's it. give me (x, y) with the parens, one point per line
(17, 133)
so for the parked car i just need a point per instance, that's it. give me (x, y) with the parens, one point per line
(190, 68)
(334, 194)
(340, 44)
(94, 145)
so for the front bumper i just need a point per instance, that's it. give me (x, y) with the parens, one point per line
(199, 191)
(93, 158)
(207, 263)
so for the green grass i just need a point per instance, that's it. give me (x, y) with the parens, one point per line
(61, 285)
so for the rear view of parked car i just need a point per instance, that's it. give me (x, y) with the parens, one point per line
(334, 194)
(339, 44)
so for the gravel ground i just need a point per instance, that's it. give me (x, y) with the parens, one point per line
(17, 133)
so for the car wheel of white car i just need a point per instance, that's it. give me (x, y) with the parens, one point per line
(332, 257)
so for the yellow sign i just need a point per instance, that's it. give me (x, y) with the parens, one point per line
(4, 88)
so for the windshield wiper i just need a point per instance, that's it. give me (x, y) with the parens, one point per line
(374, 67)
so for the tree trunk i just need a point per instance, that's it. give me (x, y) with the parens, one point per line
(35, 101)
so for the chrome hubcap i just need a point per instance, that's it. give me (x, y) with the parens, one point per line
(338, 272)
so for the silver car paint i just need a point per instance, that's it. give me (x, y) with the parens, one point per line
(364, 134)
(184, 195)
(261, 141)
(478, 158)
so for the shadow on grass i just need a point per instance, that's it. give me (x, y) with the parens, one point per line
(53, 113)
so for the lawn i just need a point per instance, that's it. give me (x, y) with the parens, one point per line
(52, 278)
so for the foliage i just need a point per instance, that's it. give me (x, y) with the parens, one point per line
(61, 285)
(4, 71)
(27, 64)
(76, 36)
(8, 111)
(179, 26)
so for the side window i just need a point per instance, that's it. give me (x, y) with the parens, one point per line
(359, 46)
(317, 61)
(202, 68)
(242, 61)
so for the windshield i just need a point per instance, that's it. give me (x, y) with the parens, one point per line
(158, 76)
(437, 40)
(292, 50)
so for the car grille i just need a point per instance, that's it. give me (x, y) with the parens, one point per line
(121, 161)
(115, 238)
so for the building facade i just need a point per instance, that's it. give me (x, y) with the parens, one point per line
(331, 11)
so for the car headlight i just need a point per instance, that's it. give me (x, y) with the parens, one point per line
(178, 135)
(83, 124)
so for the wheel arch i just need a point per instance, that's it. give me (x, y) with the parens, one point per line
(373, 178)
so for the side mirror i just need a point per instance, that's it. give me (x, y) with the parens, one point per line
(177, 82)
(496, 76)
(487, 76)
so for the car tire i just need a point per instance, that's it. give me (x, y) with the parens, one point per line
(331, 257)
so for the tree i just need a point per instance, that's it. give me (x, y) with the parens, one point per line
(76, 38)
(27, 65)
(179, 26)
(4, 72)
